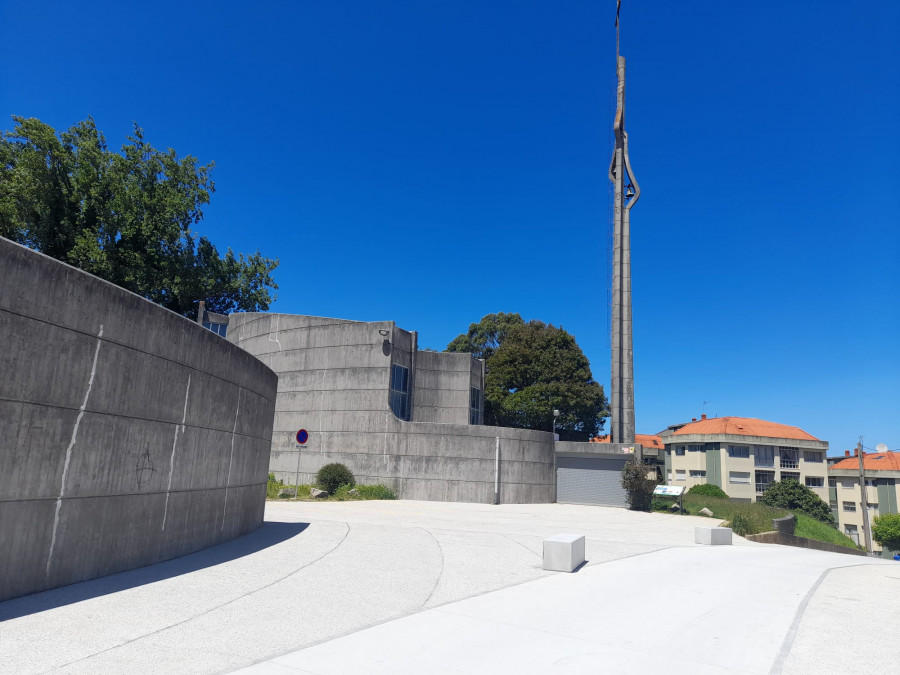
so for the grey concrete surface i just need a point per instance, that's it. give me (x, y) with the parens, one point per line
(128, 434)
(334, 381)
(395, 587)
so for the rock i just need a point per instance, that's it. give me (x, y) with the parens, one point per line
(318, 494)
(353, 492)
(705, 512)
(287, 492)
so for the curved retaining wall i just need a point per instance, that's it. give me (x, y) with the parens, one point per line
(128, 434)
(334, 381)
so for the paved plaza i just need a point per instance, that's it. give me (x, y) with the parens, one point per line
(403, 587)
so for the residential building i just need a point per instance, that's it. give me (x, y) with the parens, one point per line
(743, 455)
(882, 476)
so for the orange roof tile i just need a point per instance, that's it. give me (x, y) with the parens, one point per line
(744, 426)
(872, 461)
(646, 440)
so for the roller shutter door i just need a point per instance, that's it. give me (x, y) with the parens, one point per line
(590, 480)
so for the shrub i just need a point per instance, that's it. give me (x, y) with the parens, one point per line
(886, 531)
(708, 490)
(273, 487)
(332, 476)
(789, 494)
(638, 488)
(741, 525)
(376, 492)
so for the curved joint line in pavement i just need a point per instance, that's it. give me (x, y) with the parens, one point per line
(788, 643)
(213, 609)
(441, 573)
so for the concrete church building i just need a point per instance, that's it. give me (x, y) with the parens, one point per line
(411, 419)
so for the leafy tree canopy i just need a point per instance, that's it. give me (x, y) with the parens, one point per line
(789, 494)
(531, 369)
(886, 531)
(125, 217)
(708, 490)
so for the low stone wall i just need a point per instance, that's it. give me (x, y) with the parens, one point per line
(128, 434)
(792, 540)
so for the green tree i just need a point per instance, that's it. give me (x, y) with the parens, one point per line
(531, 369)
(789, 494)
(886, 531)
(125, 217)
(638, 484)
(484, 337)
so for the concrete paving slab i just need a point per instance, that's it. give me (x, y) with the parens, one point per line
(439, 578)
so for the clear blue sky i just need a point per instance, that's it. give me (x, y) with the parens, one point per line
(431, 162)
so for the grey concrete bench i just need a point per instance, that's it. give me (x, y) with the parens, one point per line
(712, 536)
(563, 552)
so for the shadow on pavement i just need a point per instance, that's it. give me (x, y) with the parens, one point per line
(268, 534)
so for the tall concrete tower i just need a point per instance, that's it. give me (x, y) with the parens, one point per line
(627, 193)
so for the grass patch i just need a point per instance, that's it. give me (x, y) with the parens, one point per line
(342, 494)
(810, 528)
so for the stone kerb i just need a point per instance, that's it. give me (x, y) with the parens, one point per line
(128, 434)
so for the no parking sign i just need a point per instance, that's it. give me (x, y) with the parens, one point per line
(302, 436)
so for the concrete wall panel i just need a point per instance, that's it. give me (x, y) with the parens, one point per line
(128, 434)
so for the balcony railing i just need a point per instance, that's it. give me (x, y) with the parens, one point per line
(789, 463)
(761, 487)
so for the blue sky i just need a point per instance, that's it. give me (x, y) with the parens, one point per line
(431, 162)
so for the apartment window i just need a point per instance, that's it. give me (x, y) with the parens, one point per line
(739, 451)
(790, 475)
(400, 391)
(790, 457)
(849, 507)
(679, 450)
(848, 483)
(739, 477)
(764, 455)
(679, 474)
(698, 473)
(812, 456)
(872, 507)
(475, 406)
(763, 478)
(669, 477)
(695, 448)
(815, 481)
(852, 532)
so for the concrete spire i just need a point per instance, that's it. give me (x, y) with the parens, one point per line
(627, 193)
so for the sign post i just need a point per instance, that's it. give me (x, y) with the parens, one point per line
(301, 438)
(671, 491)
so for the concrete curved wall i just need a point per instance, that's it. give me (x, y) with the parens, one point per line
(334, 381)
(128, 434)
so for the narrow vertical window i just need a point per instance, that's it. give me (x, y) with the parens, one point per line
(400, 391)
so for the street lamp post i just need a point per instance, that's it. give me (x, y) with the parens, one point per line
(555, 415)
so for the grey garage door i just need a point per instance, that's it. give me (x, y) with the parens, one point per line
(590, 480)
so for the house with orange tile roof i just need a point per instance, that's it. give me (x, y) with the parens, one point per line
(882, 476)
(743, 455)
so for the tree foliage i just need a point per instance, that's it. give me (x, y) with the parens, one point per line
(638, 487)
(886, 531)
(125, 217)
(789, 494)
(531, 369)
(708, 490)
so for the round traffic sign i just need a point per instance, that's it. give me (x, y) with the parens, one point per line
(302, 436)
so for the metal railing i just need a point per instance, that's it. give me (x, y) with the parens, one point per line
(789, 463)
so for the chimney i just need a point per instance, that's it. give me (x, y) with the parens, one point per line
(703, 416)
(693, 419)
(846, 453)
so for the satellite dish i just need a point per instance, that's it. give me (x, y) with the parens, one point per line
(881, 447)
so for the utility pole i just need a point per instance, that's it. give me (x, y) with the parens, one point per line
(864, 502)
(622, 427)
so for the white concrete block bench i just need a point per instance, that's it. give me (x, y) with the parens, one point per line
(712, 536)
(563, 552)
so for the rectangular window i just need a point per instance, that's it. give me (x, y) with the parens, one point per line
(695, 448)
(789, 457)
(670, 477)
(848, 483)
(850, 507)
(763, 478)
(872, 507)
(679, 450)
(739, 451)
(790, 475)
(698, 473)
(764, 455)
(475, 406)
(812, 456)
(217, 328)
(815, 481)
(739, 477)
(679, 474)
(852, 532)
(400, 391)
